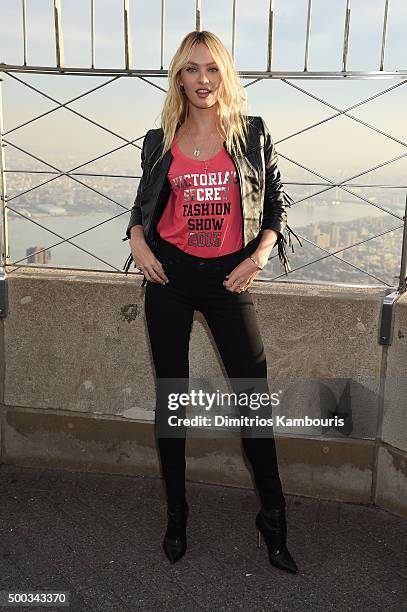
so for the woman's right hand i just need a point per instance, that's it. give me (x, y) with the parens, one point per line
(144, 257)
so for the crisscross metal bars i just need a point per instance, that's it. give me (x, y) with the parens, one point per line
(331, 184)
(142, 75)
(127, 42)
(59, 173)
(72, 174)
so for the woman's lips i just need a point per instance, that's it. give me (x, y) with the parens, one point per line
(202, 94)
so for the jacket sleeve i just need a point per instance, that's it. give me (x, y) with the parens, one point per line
(276, 200)
(135, 215)
(274, 207)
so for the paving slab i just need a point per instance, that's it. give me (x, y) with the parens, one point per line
(99, 537)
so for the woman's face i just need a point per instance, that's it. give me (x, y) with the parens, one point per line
(201, 72)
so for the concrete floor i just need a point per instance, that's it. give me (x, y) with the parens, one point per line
(99, 537)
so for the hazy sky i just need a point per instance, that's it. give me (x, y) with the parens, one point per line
(130, 106)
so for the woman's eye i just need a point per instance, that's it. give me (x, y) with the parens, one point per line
(191, 68)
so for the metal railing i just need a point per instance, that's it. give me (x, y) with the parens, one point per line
(128, 46)
(11, 71)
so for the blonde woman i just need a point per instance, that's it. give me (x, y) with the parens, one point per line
(207, 172)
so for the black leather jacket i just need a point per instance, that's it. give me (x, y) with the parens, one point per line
(263, 198)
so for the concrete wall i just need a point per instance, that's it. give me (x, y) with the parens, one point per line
(78, 385)
(390, 488)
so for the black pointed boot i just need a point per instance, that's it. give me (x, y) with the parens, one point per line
(273, 527)
(175, 539)
(172, 455)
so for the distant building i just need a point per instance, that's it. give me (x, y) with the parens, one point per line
(323, 241)
(351, 237)
(38, 258)
(335, 236)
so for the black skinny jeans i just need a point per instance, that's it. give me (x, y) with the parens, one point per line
(196, 284)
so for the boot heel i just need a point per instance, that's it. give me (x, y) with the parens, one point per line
(272, 525)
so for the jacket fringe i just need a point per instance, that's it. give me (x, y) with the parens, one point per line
(288, 199)
(282, 254)
(128, 264)
(281, 240)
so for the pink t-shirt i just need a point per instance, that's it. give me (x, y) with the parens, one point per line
(203, 215)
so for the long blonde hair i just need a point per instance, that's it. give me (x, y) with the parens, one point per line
(232, 99)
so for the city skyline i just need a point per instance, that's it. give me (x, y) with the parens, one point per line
(313, 147)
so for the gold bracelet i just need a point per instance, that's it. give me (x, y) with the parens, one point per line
(255, 262)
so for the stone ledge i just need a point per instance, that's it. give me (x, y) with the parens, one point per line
(335, 469)
(260, 287)
(92, 365)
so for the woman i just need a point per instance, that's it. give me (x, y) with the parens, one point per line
(206, 173)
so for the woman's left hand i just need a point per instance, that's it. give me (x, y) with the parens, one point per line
(241, 277)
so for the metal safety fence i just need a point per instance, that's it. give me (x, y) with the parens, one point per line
(291, 79)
